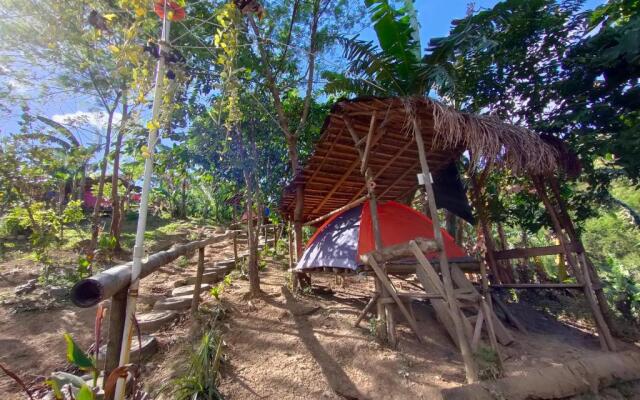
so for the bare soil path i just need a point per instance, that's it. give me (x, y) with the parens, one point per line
(281, 347)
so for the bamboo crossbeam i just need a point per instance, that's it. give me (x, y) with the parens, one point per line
(537, 286)
(399, 250)
(533, 252)
(90, 291)
(337, 211)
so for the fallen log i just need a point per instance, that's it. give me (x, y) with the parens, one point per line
(90, 291)
(585, 375)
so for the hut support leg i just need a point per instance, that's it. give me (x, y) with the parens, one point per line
(581, 272)
(383, 315)
(467, 356)
(595, 279)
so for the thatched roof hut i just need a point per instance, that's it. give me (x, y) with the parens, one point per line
(332, 176)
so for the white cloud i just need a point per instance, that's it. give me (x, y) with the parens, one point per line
(95, 119)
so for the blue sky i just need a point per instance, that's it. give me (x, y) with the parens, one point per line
(434, 17)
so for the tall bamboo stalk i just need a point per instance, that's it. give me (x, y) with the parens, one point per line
(138, 249)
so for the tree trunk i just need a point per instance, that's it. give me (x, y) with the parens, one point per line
(95, 223)
(252, 238)
(116, 213)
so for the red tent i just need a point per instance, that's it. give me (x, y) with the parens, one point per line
(342, 239)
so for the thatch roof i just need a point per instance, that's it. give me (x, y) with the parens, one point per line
(332, 177)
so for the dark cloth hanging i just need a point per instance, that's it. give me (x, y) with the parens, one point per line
(451, 194)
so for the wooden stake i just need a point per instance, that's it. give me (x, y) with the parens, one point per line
(196, 287)
(367, 308)
(515, 321)
(469, 363)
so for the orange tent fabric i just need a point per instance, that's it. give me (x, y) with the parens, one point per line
(399, 224)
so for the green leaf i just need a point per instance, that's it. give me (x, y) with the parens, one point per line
(76, 356)
(85, 393)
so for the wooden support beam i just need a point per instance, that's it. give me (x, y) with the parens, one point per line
(471, 368)
(400, 250)
(117, 312)
(400, 178)
(346, 175)
(384, 280)
(367, 308)
(533, 251)
(504, 335)
(385, 318)
(537, 286)
(195, 302)
(515, 321)
(385, 166)
(367, 148)
(338, 211)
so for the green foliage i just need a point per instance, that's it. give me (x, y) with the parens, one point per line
(76, 356)
(488, 365)
(216, 291)
(203, 375)
(183, 262)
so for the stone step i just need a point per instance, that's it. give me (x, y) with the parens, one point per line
(149, 348)
(188, 290)
(179, 303)
(154, 320)
(209, 276)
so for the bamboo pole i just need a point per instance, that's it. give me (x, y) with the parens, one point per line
(575, 238)
(367, 148)
(344, 208)
(383, 316)
(138, 249)
(196, 288)
(470, 365)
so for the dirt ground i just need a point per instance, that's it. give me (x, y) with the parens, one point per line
(283, 347)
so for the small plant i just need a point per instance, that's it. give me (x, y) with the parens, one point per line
(203, 376)
(216, 291)
(373, 326)
(107, 245)
(183, 262)
(488, 363)
(227, 280)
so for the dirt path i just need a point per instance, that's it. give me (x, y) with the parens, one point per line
(282, 347)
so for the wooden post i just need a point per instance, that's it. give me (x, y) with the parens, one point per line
(117, 314)
(235, 250)
(383, 316)
(580, 270)
(196, 287)
(565, 219)
(467, 356)
(542, 193)
(290, 239)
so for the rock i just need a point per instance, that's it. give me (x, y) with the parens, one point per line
(179, 303)
(28, 287)
(185, 290)
(154, 320)
(210, 276)
(58, 292)
(149, 348)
